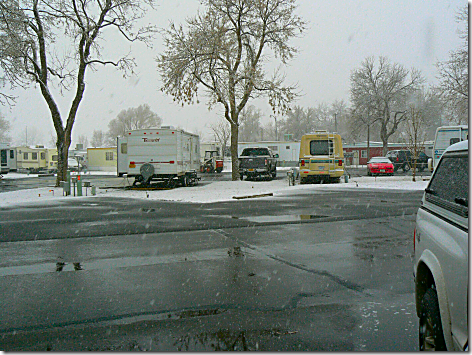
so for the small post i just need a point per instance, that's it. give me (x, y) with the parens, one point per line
(79, 186)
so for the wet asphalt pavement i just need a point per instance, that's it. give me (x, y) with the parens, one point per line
(319, 271)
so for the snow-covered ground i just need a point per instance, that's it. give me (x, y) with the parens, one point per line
(88, 173)
(215, 191)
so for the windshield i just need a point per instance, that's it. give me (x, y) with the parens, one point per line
(197, 175)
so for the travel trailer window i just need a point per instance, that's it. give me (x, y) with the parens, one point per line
(34, 156)
(12, 154)
(320, 147)
(25, 156)
(124, 148)
(54, 158)
(43, 156)
(109, 156)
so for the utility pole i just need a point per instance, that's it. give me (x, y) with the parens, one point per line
(368, 141)
(26, 136)
(276, 135)
(335, 122)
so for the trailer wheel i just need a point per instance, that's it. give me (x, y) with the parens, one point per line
(185, 181)
(170, 183)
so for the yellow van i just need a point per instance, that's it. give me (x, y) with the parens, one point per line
(321, 157)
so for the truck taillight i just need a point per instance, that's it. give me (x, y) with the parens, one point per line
(265, 162)
(303, 163)
(340, 162)
(172, 162)
(132, 164)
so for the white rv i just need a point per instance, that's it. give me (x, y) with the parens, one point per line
(4, 152)
(166, 154)
(446, 136)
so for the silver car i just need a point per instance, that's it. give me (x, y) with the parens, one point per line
(442, 254)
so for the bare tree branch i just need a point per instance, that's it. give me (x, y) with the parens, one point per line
(222, 52)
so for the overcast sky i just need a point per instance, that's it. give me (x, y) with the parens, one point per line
(340, 35)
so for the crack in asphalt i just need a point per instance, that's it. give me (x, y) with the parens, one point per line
(339, 280)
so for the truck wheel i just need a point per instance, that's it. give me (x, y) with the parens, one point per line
(241, 176)
(431, 335)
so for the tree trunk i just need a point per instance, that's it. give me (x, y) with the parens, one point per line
(62, 156)
(234, 152)
(384, 137)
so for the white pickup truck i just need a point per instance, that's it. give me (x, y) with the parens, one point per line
(441, 262)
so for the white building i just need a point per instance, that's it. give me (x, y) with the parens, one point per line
(288, 151)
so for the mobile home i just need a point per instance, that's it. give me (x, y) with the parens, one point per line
(102, 159)
(288, 151)
(165, 153)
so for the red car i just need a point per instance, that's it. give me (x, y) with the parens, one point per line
(379, 166)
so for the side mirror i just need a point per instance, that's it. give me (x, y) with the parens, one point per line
(430, 164)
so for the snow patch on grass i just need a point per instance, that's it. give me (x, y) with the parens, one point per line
(217, 191)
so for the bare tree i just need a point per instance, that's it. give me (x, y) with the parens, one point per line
(12, 43)
(453, 75)
(99, 138)
(4, 130)
(416, 134)
(339, 110)
(132, 118)
(29, 137)
(45, 25)
(223, 51)
(250, 129)
(299, 121)
(82, 139)
(222, 132)
(383, 91)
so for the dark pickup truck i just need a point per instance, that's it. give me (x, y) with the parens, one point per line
(255, 162)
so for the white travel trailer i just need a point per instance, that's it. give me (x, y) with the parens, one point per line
(446, 136)
(166, 154)
(4, 153)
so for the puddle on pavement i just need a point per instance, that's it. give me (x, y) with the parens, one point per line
(277, 218)
(114, 263)
(282, 218)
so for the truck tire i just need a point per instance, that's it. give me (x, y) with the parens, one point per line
(241, 176)
(431, 335)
